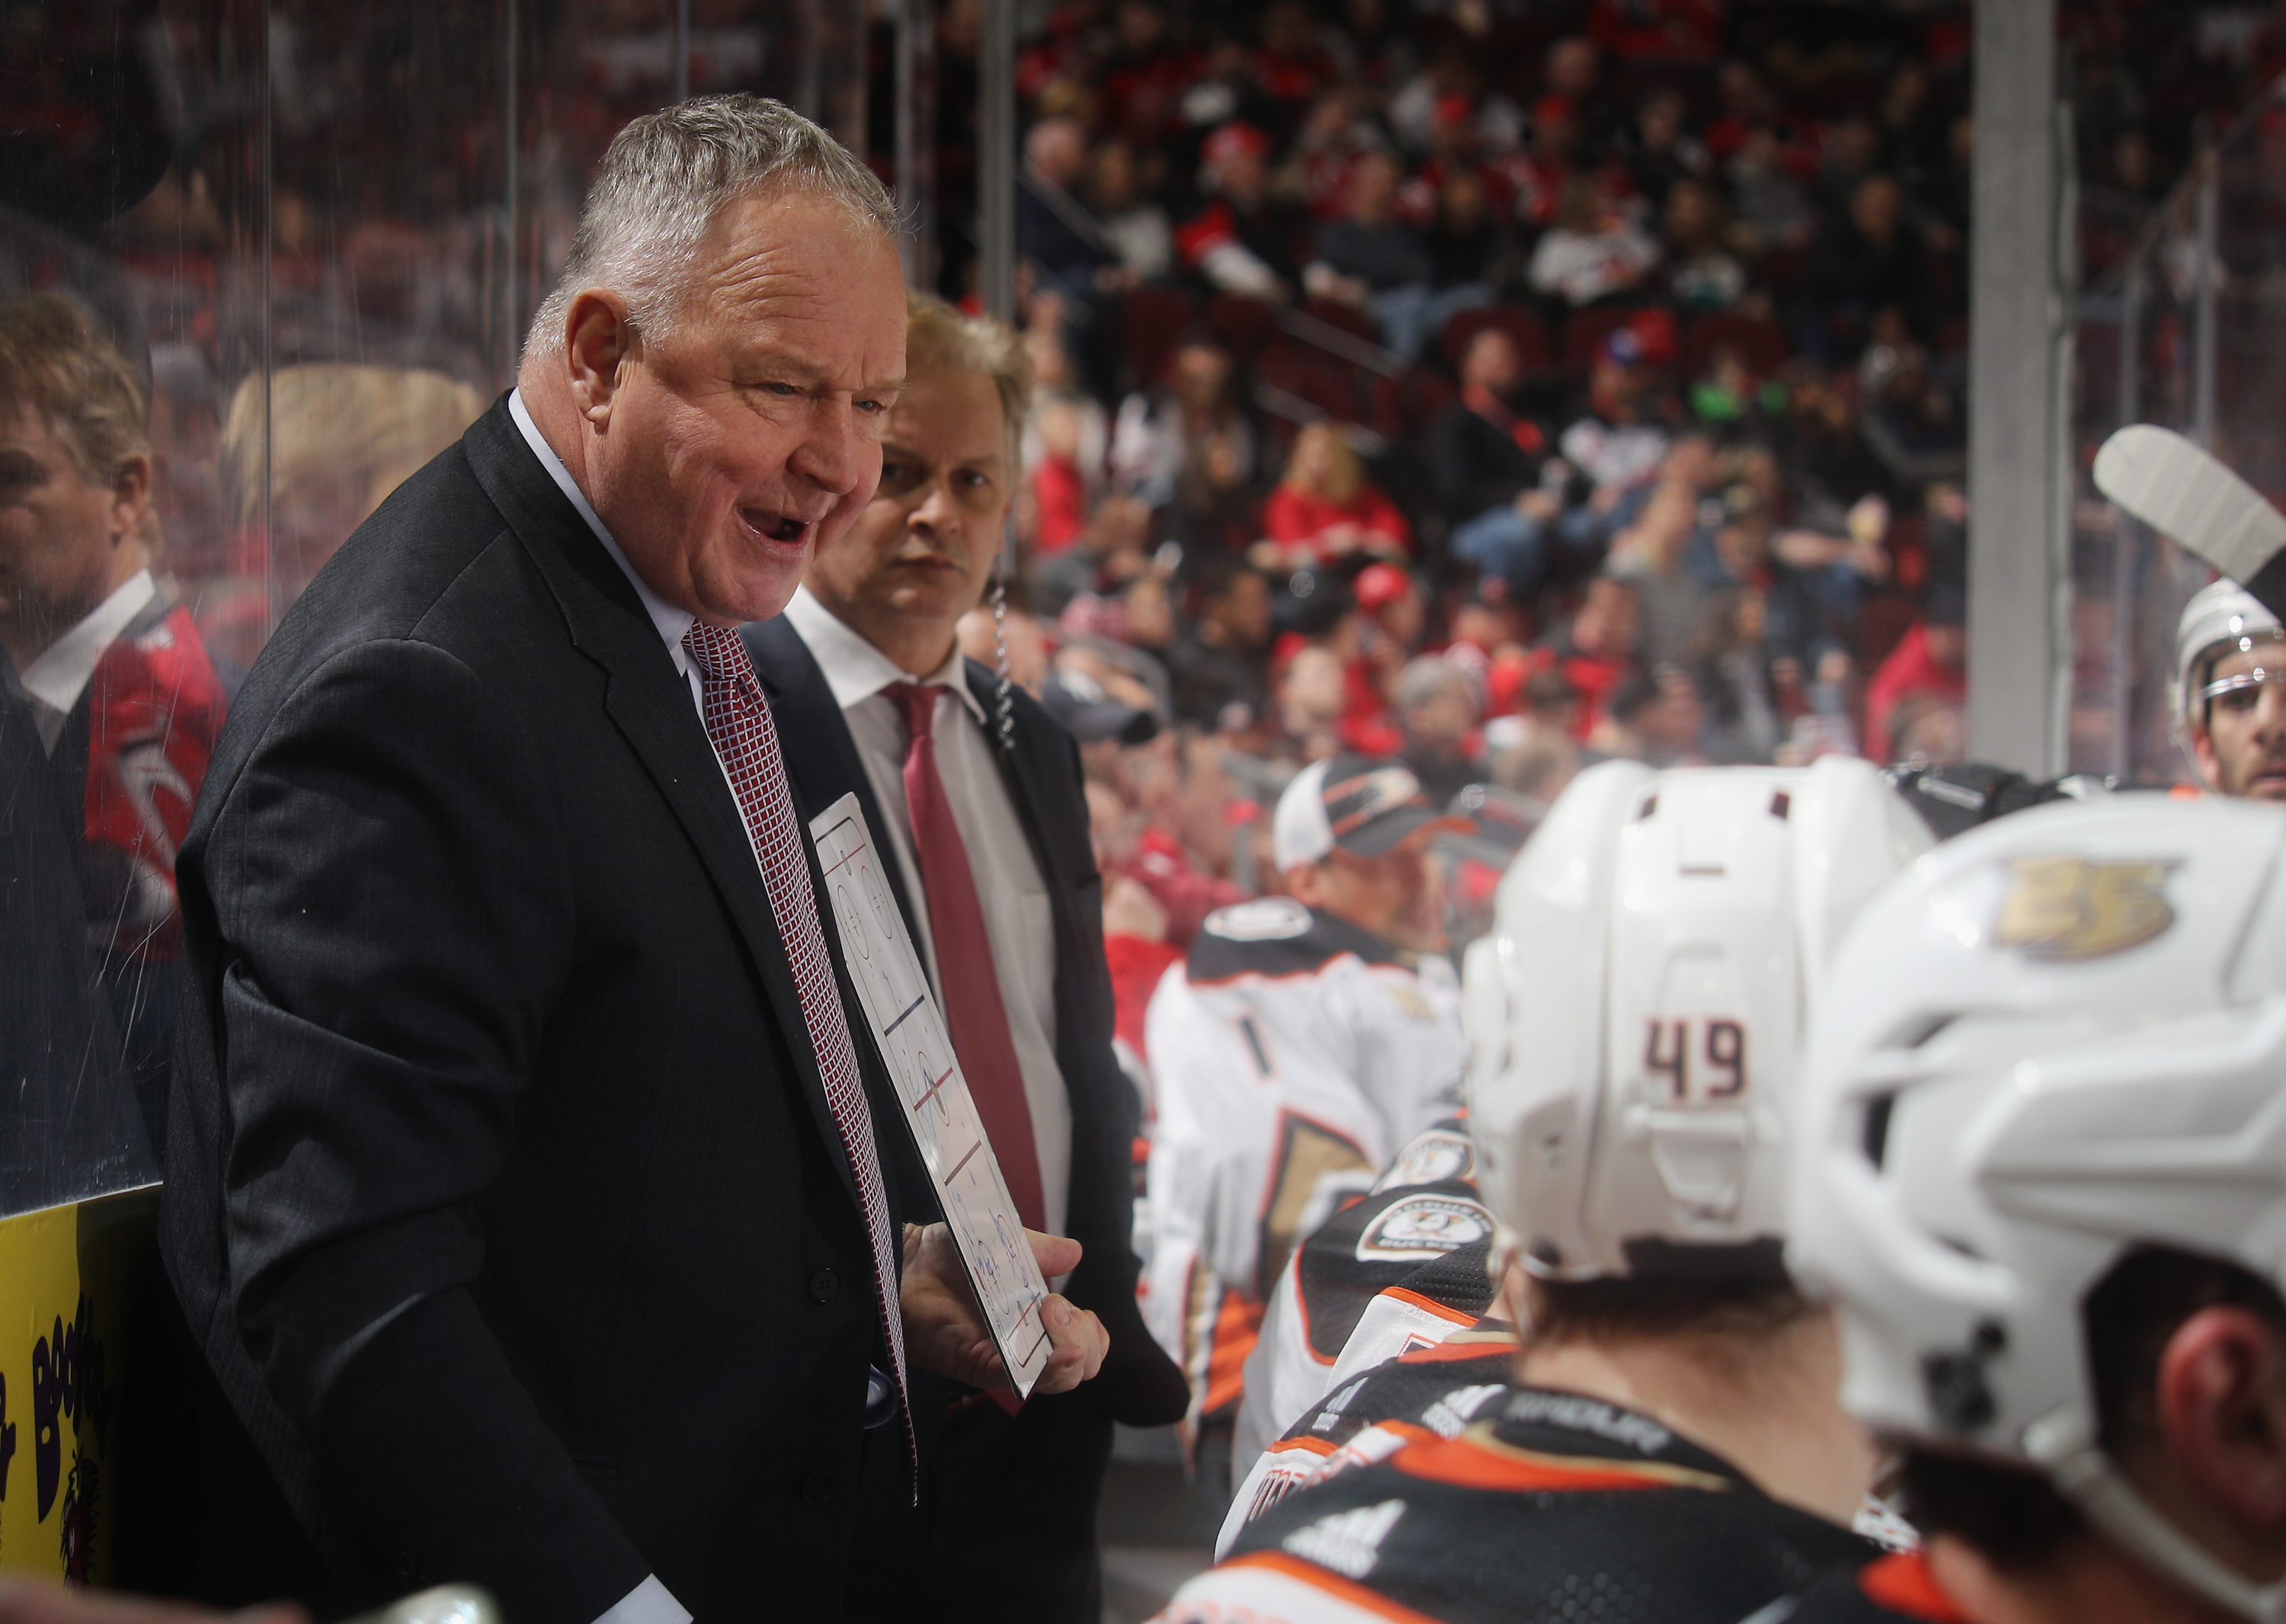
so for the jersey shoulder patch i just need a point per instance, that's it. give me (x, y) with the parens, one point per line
(1276, 936)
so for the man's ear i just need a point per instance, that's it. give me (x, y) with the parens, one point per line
(2202, 754)
(2221, 1401)
(599, 340)
(130, 497)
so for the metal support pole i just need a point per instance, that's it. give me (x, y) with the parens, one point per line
(2126, 541)
(2019, 582)
(995, 160)
(2209, 287)
(916, 46)
(682, 73)
(511, 317)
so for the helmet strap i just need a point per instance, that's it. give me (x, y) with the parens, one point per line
(2087, 1476)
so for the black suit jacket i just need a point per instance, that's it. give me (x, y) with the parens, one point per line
(503, 1195)
(1139, 1383)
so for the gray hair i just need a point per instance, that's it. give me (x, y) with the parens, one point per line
(666, 178)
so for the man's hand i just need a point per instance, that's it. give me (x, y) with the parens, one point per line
(945, 1332)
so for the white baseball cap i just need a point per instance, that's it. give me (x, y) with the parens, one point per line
(1361, 804)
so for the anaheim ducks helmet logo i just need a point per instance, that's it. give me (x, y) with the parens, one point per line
(2063, 909)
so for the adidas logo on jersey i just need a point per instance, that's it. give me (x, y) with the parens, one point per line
(1349, 1542)
(1450, 1416)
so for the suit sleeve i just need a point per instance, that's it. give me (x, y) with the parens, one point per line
(390, 891)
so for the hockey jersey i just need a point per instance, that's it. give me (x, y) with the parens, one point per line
(1431, 1391)
(1403, 1267)
(1897, 1589)
(1291, 1053)
(1549, 1508)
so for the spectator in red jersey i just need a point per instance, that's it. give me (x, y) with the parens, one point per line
(1931, 659)
(1324, 509)
(1242, 242)
(1596, 649)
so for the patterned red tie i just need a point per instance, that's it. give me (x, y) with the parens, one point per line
(738, 722)
(977, 1018)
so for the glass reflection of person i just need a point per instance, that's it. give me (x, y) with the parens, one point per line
(126, 701)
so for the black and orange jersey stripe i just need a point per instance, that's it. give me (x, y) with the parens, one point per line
(1554, 1509)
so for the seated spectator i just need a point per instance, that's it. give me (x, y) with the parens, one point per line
(1216, 508)
(1659, 152)
(1436, 704)
(1701, 275)
(1653, 717)
(1652, 554)
(1136, 224)
(1312, 698)
(1370, 258)
(1059, 489)
(1909, 420)
(1731, 665)
(1323, 509)
(1537, 753)
(1468, 252)
(1930, 660)
(1592, 250)
(1055, 159)
(1595, 650)
(1870, 259)
(1767, 209)
(1218, 663)
(1618, 441)
(1242, 242)
(1156, 435)
(1185, 856)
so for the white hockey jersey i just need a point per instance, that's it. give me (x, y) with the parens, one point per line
(1291, 1055)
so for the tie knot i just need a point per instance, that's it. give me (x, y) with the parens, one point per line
(714, 651)
(918, 701)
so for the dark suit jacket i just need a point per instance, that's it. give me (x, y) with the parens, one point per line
(1139, 1383)
(503, 1195)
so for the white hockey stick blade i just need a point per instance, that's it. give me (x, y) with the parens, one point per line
(2183, 491)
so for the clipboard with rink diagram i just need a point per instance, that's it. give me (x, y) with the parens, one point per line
(909, 1031)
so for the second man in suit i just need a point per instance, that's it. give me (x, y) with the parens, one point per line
(978, 794)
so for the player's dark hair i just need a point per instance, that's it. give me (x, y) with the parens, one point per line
(2014, 1517)
(1662, 1305)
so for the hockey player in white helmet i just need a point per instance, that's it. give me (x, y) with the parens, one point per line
(1673, 1446)
(1301, 1042)
(2041, 1174)
(2230, 691)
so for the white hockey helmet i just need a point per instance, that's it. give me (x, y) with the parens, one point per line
(1635, 1016)
(2061, 1038)
(2221, 616)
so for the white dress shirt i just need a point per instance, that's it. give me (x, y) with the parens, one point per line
(1009, 886)
(60, 672)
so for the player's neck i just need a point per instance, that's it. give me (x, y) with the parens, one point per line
(2091, 1580)
(1767, 1404)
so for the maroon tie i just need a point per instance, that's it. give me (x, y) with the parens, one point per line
(738, 722)
(973, 1013)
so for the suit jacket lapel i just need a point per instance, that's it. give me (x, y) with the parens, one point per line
(651, 708)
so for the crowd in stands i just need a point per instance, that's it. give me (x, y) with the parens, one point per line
(1500, 394)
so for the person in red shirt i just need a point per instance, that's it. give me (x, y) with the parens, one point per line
(1932, 659)
(1323, 507)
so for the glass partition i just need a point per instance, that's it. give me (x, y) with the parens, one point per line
(2182, 322)
(259, 260)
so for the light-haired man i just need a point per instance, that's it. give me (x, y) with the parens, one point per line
(976, 793)
(525, 1191)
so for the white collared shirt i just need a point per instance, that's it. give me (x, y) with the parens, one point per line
(1009, 885)
(59, 675)
(672, 623)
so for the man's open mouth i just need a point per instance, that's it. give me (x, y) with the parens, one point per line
(783, 528)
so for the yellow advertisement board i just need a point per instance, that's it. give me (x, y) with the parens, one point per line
(67, 1280)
